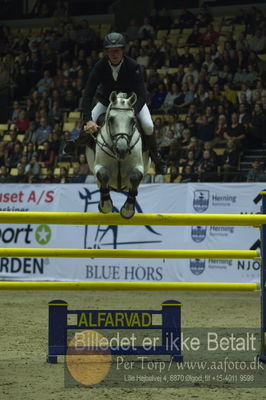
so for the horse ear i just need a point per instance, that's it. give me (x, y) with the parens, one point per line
(132, 99)
(113, 97)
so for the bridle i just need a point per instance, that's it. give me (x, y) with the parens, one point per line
(110, 149)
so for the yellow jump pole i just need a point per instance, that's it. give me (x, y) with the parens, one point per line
(77, 218)
(128, 253)
(147, 286)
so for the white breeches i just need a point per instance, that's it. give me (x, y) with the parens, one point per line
(144, 117)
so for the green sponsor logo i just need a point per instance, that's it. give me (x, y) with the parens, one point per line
(43, 234)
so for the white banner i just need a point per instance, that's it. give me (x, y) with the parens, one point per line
(152, 198)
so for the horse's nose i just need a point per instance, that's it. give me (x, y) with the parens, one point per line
(121, 148)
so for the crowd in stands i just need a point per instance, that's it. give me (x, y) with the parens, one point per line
(205, 79)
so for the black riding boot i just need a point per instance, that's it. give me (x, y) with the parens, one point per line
(84, 139)
(152, 147)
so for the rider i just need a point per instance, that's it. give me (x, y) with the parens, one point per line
(118, 72)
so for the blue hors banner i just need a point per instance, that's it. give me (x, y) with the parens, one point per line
(153, 198)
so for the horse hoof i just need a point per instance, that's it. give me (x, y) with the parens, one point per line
(127, 212)
(105, 206)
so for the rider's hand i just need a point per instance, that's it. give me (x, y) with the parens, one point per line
(91, 127)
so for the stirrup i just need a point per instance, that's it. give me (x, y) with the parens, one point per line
(69, 147)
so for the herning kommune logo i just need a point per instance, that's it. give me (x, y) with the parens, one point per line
(201, 200)
(43, 234)
(198, 233)
(197, 266)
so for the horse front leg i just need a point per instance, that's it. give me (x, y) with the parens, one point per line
(128, 209)
(105, 204)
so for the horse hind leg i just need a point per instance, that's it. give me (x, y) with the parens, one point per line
(105, 204)
(128, 209)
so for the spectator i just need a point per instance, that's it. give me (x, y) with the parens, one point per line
(46, 156)
(225, 76)
(190, 125)
(192, 112)
(258, 42)
(21, 176)
(193, 38)
(205, 128)
(23, 161)
(168, 104)
(146, 30)
(45, 83)
(236, 132)
(185, 139)
(166, 142)
(43, 132)
(157, 99)
(211, 101)
(30, 109)
(209, 37)
(10, 146)
(4, 77)
(206, 169)
(22, 122)
(15, 112)
(50, 178)
(254, 171)
(63, 177)
(242, 42)
(132, 30)
(229, 94)
(219, 131)
(61, 155)
(244, 115)
(191, 71)
(15, 155)
(77, 177)
(70, 101)
(188, 175)
(173, 155)
(54, 142)
(143, 58)
(33, 167)
(4, 175)
(188, 160)
(176, 127)
(3, 154)
(174, 174)
(256, 127)
(84, 169)
(184, 99)
(187, 58)
(186, 19)
(262, 175)
(56, 113)
(229, 163)
(30, 150)
(259, 88)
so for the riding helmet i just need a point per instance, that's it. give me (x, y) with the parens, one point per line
(114, 39)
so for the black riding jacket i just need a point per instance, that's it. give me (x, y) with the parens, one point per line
(101, 83)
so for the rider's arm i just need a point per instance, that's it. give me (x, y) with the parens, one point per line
(90, 89)
(139, 89)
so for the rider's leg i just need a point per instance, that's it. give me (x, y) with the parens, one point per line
(97, 110)
(84, 137)
(146, 122)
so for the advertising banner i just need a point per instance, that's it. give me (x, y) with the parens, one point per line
(153, 198)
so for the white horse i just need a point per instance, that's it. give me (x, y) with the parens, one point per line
(119, 162)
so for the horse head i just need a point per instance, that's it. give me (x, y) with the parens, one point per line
(121, 123)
